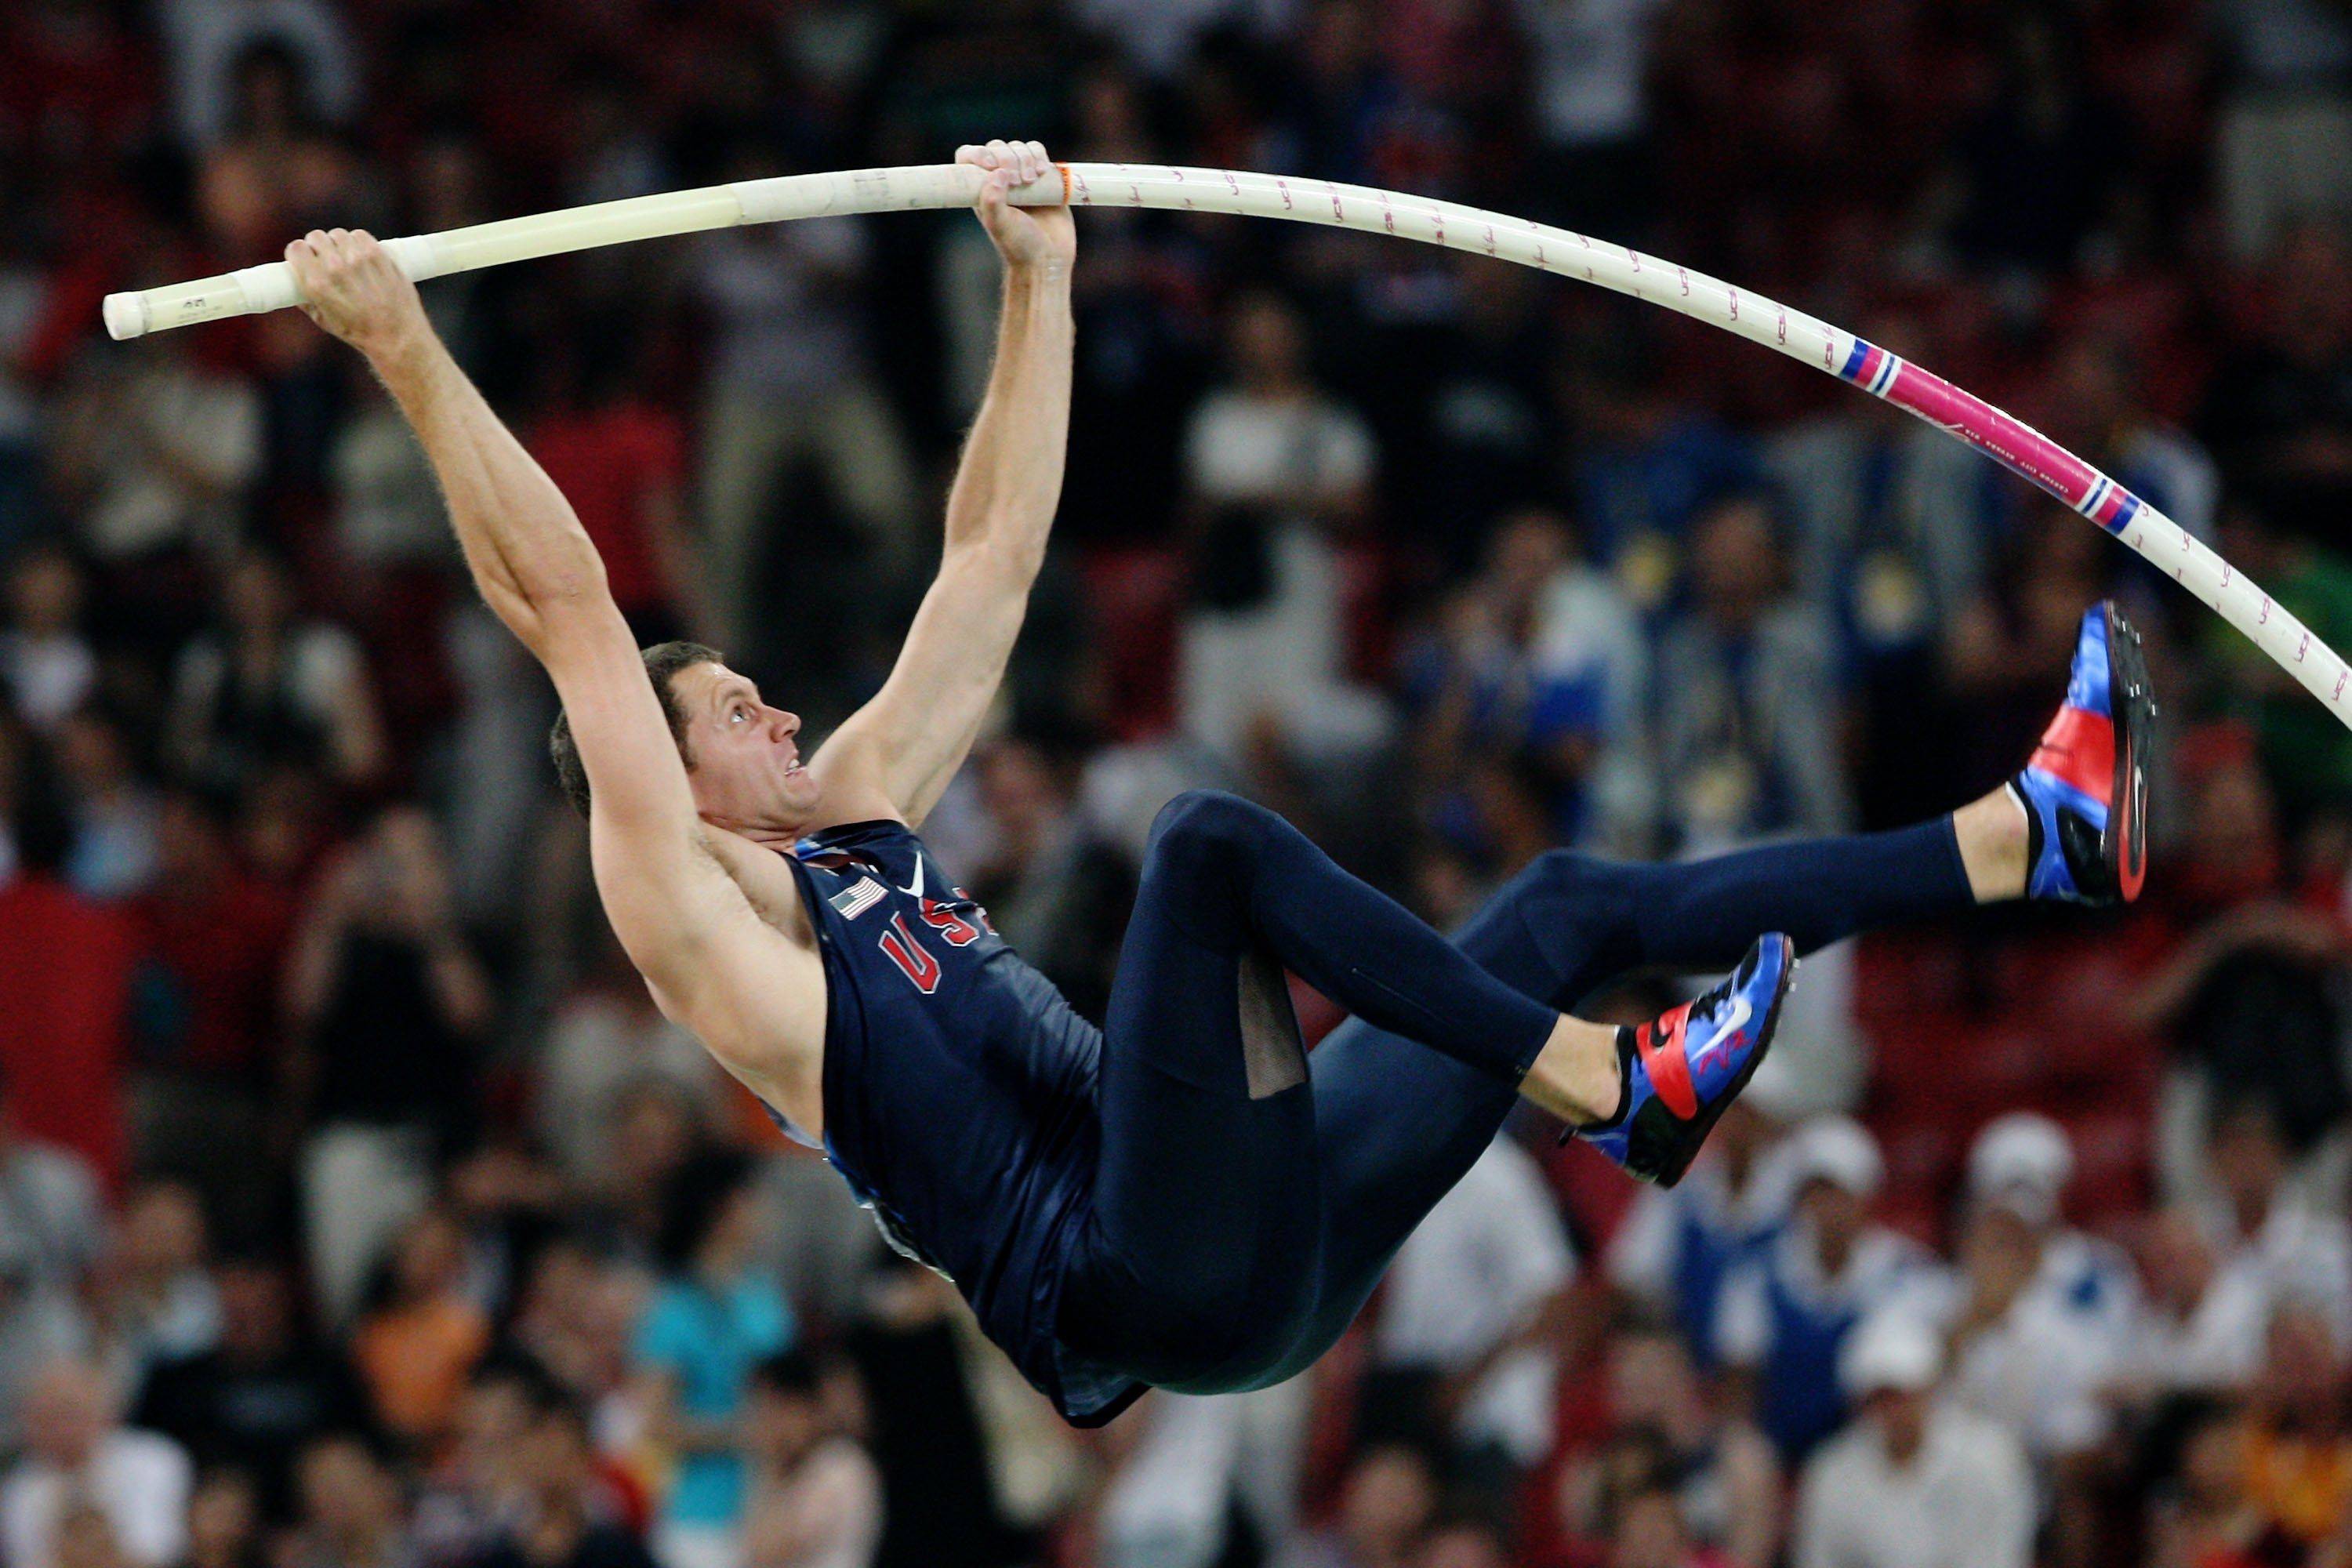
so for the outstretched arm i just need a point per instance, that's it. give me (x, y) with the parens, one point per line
(683, 920)
(911, 738)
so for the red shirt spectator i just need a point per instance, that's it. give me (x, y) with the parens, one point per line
(65, 986)
(619, 465)
(215, 937)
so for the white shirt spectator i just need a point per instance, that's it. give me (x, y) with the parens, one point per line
(48, 677)
(2037, 1374)
(194, 423)
(1284, 655)
(1159, 37)
(1646, 1253)
(1474, 1272)
(138, 1479)
(1591, 58)
(2297, 1254)
(2211, 1348)
(780, 335)
(207, 38)
(826, 1514)
(1965, 1501)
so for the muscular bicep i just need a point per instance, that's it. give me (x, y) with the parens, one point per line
(918, 729)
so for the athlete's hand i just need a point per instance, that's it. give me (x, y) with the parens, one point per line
(1041, 239)
(351, 287)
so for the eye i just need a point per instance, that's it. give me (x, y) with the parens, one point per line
(737, 713)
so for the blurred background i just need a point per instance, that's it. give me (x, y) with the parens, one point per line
(358, 1211)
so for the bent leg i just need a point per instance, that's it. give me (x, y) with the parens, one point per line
(1397, 1125)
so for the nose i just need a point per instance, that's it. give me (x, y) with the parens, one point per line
(785, 725)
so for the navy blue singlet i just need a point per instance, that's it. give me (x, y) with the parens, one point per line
(959, 1093)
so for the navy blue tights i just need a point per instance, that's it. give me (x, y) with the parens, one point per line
(1244, 1207)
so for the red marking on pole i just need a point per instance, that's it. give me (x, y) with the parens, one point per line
(1735, 305)
(1784, 324)
(2303, 648)
(1490, 239)
(1230, 184)
(2264, 618)
(1684, 273)
(1635, 256)
(1284, 186)
(2341, 677)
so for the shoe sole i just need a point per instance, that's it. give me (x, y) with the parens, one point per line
(2123, 847)
(1704, 1123)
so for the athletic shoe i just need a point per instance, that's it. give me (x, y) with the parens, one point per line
(2085, 790)
(1681, 1069)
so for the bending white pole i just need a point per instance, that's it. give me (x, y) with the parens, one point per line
(2007, 440)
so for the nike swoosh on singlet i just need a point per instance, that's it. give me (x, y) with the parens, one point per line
(916, 891)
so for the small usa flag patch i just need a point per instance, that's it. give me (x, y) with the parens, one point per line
(857, 897)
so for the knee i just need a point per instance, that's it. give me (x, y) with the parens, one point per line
(1202, 824)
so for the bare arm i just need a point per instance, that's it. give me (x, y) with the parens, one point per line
(684, 922)
(911, 738)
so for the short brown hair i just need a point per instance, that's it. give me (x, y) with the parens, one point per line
(663, 661)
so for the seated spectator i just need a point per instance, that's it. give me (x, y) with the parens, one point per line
(264, 686)
(224, 1522)
(2298, 1448)
(1052, 886)
(2201, 1320)
(2246, 992)
(352, 1514)
(1462, 1543)
(1788, 1311)
(1747, 695)
(2306, 754)
(1385, 1503)
(1678, 1246)
(418, 1346)
(213, 942)
(205, 40)
(619, 459)
(2021, 626)
(1722, 1472)
(1540, 660)
(46, 663)
(114, 813)
(277, 169)
(161, 1306)
(816, 1500)
(154, 450)
(1647, 465)
(2019, 1168)
(564, 1516)
(711, 1320)
(1914, 1483)
(2279, 412)
(1278, 476)
(1647, 1529)
(2098, 411)
(1461, 1341)
(2262, 1226)
(384, 1001)
(76, 1453)
(474, 1490)
(265, 1391)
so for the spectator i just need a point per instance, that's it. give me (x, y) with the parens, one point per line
(351, 1513)
(250, 1404)
(1460, 1348)
(564, 1519)
(792, 381)
(264, 688)
(2284, 139)
(2279, 413)
(2208, 1520)
(1788, 1311)
(161, 1305)
(224, 1522)
(1050, 885)
(114, 813)
(2298, 1451)
(816, 1500)
(1677, 1249)
(213, 942)
(76, 1452)
(46, 659)
(416, 1350)
(1277, 473)
(153, 454)
(1537, 660)
(384, 998)
(2294, 1250)
(2202, 1322)
(206, 41)
(1913, 1483)
(1386, 1503)
(709, 1323)
(619, 459)
(1722, 1473)
(1748, 697)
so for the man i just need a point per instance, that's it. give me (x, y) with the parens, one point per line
(1913, 1483)
(76, 1453)
(1170, 1200)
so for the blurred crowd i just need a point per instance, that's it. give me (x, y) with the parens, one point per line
(357, 1209)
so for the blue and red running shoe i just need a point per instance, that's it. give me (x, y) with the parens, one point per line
(2085, 790)
(1681, 1068)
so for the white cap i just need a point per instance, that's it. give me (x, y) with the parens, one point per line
(1891, 1350)
(1775, 1091)
(126, 315)
(2021, 1162)
(1840, 1150)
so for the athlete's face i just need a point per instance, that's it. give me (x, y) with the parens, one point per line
(747, 770)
